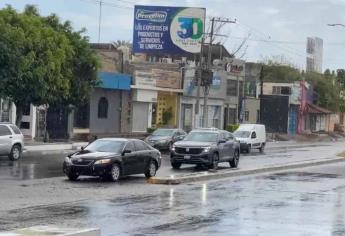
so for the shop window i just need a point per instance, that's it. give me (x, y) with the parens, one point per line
(103, 108)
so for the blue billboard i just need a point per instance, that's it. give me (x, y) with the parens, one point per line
(170, 30)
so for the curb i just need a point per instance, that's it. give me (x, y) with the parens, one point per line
(237, 172)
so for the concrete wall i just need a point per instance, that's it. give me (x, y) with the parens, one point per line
(111, 124)
(252, 105)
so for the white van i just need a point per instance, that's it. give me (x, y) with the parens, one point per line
(251, 136)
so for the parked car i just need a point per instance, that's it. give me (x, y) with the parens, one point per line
(206, 147)
(163, 139)
(11, 141)
(251, 136)
(113, 158)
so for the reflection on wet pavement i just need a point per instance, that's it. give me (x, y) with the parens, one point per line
(32, 167)
(287, 203)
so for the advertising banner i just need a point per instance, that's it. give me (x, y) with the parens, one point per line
(171, 30)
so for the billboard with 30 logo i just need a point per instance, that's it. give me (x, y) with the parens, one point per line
(168, 30)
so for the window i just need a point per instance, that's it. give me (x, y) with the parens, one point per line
(140, 146)
(246, 115)
(103, 108)
(4, 131)
(231, 89)
(130, 147)
(15, 129)
(281, 90)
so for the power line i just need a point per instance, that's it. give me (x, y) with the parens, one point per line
(106, 3)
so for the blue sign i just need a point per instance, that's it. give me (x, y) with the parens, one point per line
(171, 30)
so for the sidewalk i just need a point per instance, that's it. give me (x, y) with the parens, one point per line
(39, 146)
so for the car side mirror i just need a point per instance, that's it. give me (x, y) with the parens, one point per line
(125, 152)
(179, 138)
(222, 141)
(82, 148)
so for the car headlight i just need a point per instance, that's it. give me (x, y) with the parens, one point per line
(67, 160)
(173, 148)
(207, 149)
(104, 161)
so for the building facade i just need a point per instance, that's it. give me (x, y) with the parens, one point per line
(156, 89)
(314, 54)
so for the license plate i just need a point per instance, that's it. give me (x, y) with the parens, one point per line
(187, 157)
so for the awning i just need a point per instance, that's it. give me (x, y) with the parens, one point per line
(311, 108)
(110, 80)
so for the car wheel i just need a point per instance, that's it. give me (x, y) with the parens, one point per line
(176, 165)
(16, 153)
(215, 159)
(72, 176)
(115, 172)
(235, 160)
(151, 170)
(262, 148)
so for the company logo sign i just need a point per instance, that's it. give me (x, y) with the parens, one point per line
(173, 30)
(187, 29)
(154, 16)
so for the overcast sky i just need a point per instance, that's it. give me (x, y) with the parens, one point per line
(274, 27)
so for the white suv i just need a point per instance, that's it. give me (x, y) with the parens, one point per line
(11, 141)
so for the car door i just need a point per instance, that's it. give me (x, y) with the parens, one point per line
(129, 160)
(143, 156)
(5, 140)
(230, 144)
(222, 147)
(254, 140)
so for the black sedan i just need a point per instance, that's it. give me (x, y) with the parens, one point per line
(163, 139)
(113, 158)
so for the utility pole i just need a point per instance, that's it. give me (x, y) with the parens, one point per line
(99, 20)
(207, 84)
(199, 76)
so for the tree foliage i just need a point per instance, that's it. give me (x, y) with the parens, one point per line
(43, 61)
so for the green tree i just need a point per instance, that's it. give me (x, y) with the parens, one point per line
(327, 93)
(281, 73)
(43, 61)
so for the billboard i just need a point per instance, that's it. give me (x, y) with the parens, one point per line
(171, 30)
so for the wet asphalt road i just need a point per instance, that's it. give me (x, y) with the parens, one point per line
(39, 165)
(309, 201)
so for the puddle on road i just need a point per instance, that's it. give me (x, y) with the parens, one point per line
(300, 176)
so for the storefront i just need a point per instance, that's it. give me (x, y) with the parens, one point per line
(190, 117)
(155, 96)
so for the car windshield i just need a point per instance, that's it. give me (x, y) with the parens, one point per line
(242, 134)
(163, 132)
(202, 137)
(106, 146)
